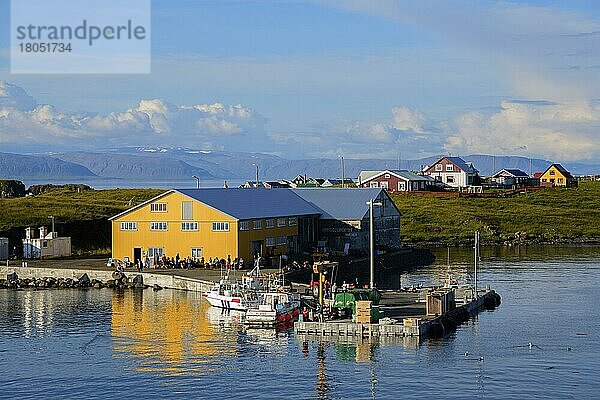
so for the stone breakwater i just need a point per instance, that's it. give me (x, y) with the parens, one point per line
(119, 281)
(104, 277)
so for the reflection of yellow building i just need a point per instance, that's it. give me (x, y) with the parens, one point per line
(215, 223)
(167, 330)
(557, 175)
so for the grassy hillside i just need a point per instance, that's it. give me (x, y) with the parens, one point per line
(83, 216)
(542, 216)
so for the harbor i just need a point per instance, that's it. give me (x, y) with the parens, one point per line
(408, 317)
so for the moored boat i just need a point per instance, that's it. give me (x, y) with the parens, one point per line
(228, 295)
(274, 308)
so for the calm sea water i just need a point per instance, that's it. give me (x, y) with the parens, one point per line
(105, 344)
(101, 183)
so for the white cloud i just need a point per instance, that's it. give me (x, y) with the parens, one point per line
(152, 121)
(567, 131)
(14, 97)
(408, 131)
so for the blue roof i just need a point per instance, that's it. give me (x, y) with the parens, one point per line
(251, 203)
(516, 172)
(338, 203)
(467, 167)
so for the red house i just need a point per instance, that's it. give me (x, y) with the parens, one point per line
(394, 180)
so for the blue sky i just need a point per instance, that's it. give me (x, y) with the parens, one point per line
(322, 78)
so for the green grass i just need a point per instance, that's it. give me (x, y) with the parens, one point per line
(539, 216)
(69, 206)
(82, 216)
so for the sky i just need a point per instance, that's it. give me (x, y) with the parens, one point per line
(322, 78)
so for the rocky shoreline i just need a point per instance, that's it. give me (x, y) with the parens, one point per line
(119, 282)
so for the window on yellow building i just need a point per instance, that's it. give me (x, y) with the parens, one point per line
(189, 226)
(158, 207)
(281, 240)
(270, 242)
(292, 221)
(280, 222)
(129, 226)
(186, 210)
(244, 225)
(560, 180)
(257, 224)
(159, 226)
(220, 226)
(269, 223)
(552, 172)
(155, 252)
(196, 253)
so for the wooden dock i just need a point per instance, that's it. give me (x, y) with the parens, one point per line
(406, 327)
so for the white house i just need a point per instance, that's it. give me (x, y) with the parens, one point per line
(47, 245)
(510, 176)
(453, 171)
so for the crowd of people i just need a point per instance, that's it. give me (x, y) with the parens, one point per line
(177, 262)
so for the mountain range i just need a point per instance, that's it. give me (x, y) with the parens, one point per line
(156, 163)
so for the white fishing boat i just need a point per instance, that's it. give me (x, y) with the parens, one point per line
(274, 308)
(228, 295)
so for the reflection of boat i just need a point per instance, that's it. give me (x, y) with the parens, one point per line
(224, 317)
(274, 308)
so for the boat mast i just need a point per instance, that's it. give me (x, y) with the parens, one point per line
(476, 258)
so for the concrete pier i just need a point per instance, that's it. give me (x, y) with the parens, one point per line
(163, 280)
(407, 327)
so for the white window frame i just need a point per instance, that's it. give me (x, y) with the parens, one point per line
(196, 252)
(450, 179)
(152, 250)
(439, 167)
(159, 226)
(158, 207)
(281, 222)
(401, 186)
(129, 226)
(269, 223)
(189, 226)
(281, 240)
(270, 242)
(257, 224)
(220, 226)
(387, 176)
(384, 184)
(374, 184)
(244, 225)
(449, 168)
(292, 221)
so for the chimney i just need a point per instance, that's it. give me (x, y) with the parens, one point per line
(43, 232)
(29, 233)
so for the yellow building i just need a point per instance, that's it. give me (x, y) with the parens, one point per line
(213, 223)
(557, 175)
